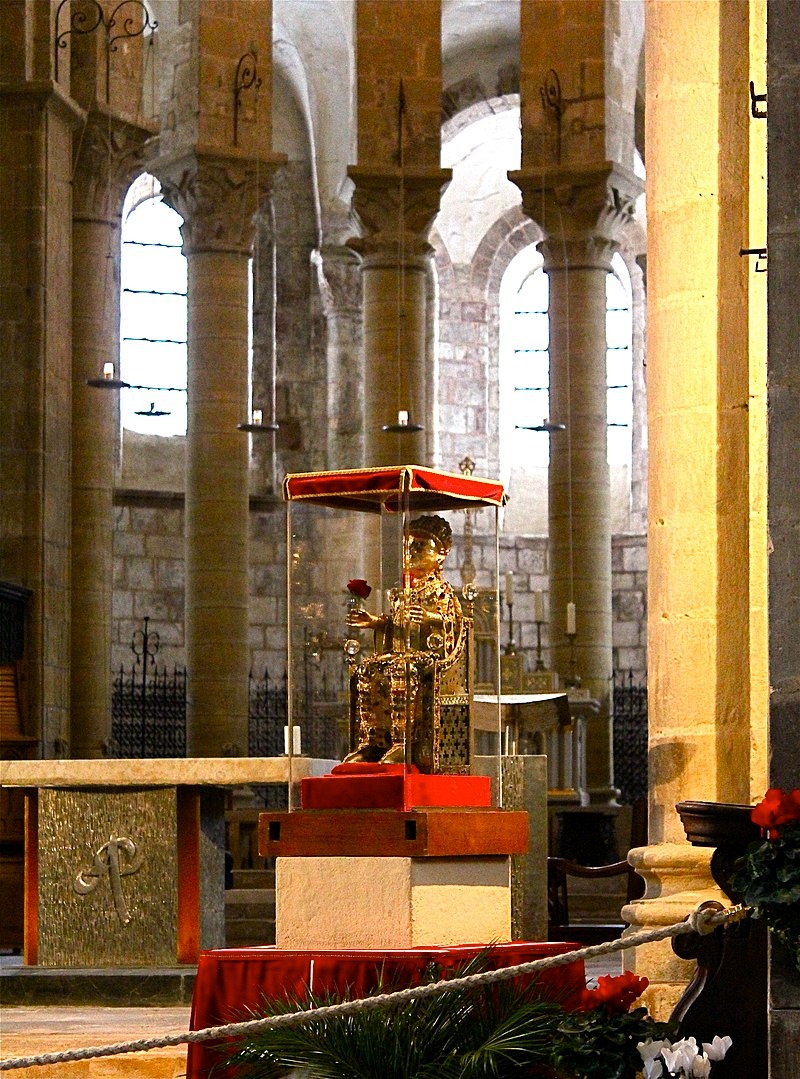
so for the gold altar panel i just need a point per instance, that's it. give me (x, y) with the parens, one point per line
(108, 883)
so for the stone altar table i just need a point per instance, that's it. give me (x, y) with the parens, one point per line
(124, 859)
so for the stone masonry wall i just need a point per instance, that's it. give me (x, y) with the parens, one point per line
(148, 580)
(149, 577)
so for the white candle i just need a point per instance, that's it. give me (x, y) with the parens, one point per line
(509, 588)
(258, 417)
(108, 370)
(570, 618)
(295, 741)
(402, 418)
(538, 606)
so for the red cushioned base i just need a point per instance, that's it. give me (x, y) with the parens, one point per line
(389, 786)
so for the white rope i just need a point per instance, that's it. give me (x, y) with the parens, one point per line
(703, 920)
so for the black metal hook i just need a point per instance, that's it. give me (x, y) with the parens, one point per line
(755, 101)
(760, 253)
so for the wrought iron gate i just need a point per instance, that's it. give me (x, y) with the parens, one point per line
(630, 738)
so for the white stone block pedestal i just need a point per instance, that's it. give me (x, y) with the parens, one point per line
(395, 902)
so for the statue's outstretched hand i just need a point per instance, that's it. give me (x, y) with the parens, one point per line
(361, 618)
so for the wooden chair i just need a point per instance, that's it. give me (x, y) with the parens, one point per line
(559, 870)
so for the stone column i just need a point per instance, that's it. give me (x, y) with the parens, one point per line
(707, 530)
(396, 209)
(398, 184)
(110, 155)
(581, 212)
(217, 196)
(38, 123)
(340, 288)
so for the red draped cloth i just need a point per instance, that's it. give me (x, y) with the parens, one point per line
(230, 980)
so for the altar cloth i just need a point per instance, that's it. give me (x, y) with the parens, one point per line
(231, 980)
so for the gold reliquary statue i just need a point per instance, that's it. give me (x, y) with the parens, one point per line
(408, 647)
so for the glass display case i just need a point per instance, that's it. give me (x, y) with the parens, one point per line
(381, 602)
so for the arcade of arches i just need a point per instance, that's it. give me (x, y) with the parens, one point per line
(356, 223)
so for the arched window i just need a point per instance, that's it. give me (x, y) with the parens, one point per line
(152, 313)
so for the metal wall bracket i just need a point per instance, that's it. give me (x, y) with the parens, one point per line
(755, 101)
(89, 17)
(760, 256)
(246, 79)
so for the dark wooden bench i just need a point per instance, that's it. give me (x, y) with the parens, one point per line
(559, 870)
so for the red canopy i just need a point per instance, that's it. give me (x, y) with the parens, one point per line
(392, 487)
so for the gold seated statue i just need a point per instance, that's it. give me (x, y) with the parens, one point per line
(410, 699)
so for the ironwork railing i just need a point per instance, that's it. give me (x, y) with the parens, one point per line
(148, 714)
(630, 737)
(148, 706)
(268, 713)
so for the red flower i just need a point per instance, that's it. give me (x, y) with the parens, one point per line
(359, 587)
(775, 808)
(615, 994)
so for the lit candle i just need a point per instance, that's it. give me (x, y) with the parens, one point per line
(570, 618)
(402, 418)
(258, 417)
(509, 588)
(538, 606)
(108, 370)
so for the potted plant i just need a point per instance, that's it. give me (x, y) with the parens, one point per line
(768, 877)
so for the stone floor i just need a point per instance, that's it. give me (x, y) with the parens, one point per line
(28, 1031)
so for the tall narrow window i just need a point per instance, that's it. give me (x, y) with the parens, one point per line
(524, 364)
(152, 314)
(618, 362)
(530, 403)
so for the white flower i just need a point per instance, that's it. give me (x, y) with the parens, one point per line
(649, 1050)
(717, 1048)
(681, 1057)
(701, 1069)
(652, 1069)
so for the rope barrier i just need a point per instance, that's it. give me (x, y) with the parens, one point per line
(703, 920)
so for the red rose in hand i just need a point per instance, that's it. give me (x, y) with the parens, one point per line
(775, 808)
(359, 587)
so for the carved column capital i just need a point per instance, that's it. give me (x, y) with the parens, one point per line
(217, 196)
(110, 154)
(581, 210)
(396, 211)
(339, 279)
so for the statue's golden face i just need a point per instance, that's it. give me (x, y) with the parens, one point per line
(424, 554)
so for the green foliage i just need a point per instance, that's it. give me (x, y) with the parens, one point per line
(484, 1032)
(598, 1044)
(464, 1034)
(769, 880)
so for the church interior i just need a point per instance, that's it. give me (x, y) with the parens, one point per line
(546, 244)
